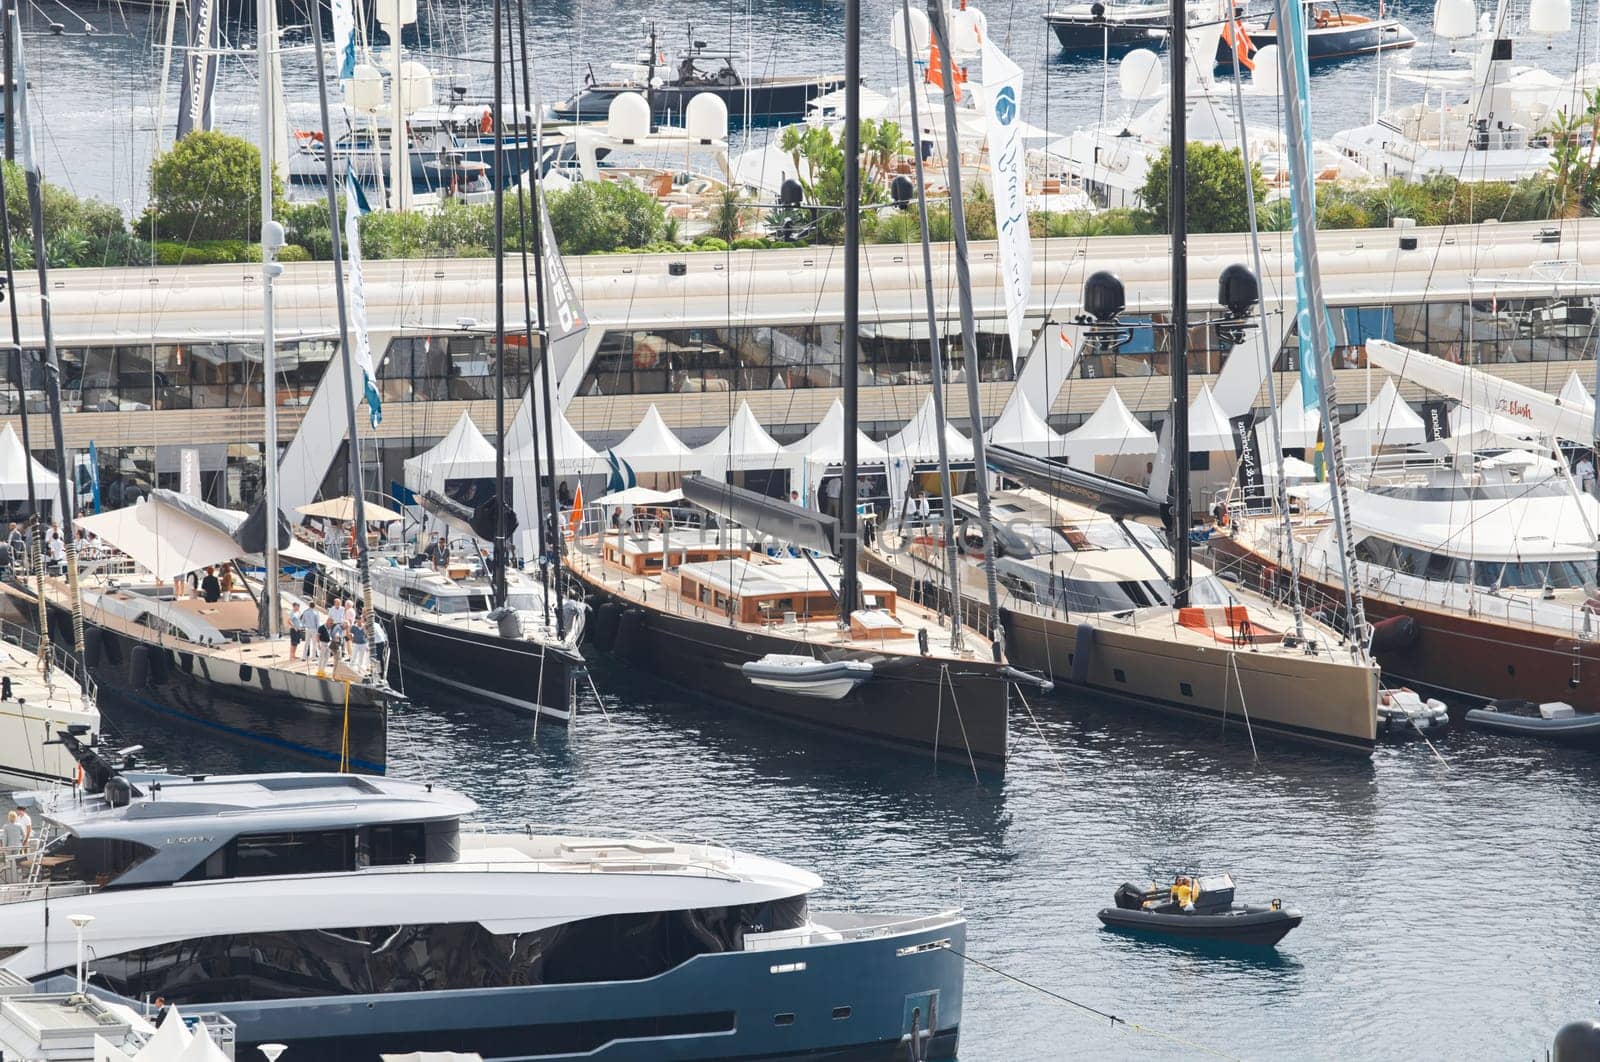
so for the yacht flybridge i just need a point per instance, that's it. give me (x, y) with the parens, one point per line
(349, 916)
(1086, 600)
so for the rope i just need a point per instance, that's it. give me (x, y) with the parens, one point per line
(944, 678)
(1056, 760)
(1233, 662)
(1112, 1018)
(344, 741)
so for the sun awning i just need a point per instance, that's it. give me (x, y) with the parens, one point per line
(344, 509)
(164, 537)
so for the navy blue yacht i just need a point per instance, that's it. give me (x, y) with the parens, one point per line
(348, 916)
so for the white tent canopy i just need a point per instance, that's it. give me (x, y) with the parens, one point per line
(173, 538)
(744, 443)
(1289, 468)
(825, 443)
(652, 447)
(1020, 427)
(1573, 393)
(14, 471)
(573, 455)
(1297, 425)
(1111, 429)
(462, 447)
(1387, 421)
(918, 441)
(1208, 424)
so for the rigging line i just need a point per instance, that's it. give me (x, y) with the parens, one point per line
(1061, 998)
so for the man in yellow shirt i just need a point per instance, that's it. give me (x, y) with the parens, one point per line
(1183, 892)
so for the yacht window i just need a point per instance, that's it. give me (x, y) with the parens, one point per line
(1021, 588)
(1376, 551)
(303, 852)
(1569, 575)
(527, 602)
(1439, 567)
(1082, 595)
(451, 956)
(1487, 573)
(396, 845)
(100, 860)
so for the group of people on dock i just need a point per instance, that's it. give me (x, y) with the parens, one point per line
(334, 635)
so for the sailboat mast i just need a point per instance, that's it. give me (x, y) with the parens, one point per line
(935, 355)
(357, 495)
(499, 559)
(969, 326)
(35, 529)
(52, 362)
(271, 240)
(849, 584)
(1177, 214)
(1292, 60)
(533, 140)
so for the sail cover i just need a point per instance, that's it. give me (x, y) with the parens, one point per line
(784, 521)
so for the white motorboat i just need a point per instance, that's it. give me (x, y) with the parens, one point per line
(806, 676)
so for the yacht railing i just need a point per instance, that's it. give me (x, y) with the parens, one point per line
(61, 662)
(818, 933)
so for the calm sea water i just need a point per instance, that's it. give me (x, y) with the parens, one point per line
(97, 91)
(1449, 905)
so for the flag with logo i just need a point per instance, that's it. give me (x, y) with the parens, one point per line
(355, 204)
(1002, 93)
(1293, 65)
(344, 39)
(199, 70)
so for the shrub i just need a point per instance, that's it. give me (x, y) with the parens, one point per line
(208, 187)
(604, 216)
(1214, 195)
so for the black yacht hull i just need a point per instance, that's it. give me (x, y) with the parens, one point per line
(1088, 35)
(956, 711)
(510, 672)
(766, 101)
(321, 722)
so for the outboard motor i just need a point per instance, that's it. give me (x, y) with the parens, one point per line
(1131, 897)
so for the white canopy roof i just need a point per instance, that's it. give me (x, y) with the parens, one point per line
(825, 444)
(652, 447)
(918, 441)
(1111, 429)
(1572, 393)
(173, 538)
(14, 471)
(462, 447)
(1208, 424)
(1020, 427)
(744, 443)
(1387, 421)
(1289, 468)
(573, 455)
(1297, 424)
(640, 496)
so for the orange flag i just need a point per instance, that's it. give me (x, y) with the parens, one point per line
(936, 70)
(1233, 32)
(575, 519)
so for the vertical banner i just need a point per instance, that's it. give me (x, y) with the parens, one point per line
(199, 69)
(86, 480)
(1304, 207)
(344, 39)
(1252, 483)
(564, 323)
(1435, 421)
(355, 204)
(1002, 91)
(189, 472)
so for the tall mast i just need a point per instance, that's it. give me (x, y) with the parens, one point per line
(271, 240)
(52, 363)
(35, 529)
(533, 139)
(356, 493)
(969, 326)
(1292, 69)
(849, 585)
(935, 355)
(499, 559)
(1177, 214)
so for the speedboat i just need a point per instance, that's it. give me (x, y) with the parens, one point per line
(1211, 915)
(1554, 721)
(347, 916)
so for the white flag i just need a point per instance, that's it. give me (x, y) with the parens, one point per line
(344, 38)
(30, 164)
(1002, 95)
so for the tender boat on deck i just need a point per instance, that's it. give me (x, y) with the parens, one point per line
(806, 676)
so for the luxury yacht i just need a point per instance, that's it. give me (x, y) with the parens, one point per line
(1086, 600)
(752, 620)
(349, 916)
(154, 644)
(1477, 572)
(447, 631)
(39, 696)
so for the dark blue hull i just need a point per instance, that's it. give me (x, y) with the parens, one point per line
(855, 1000)
(1336, 42)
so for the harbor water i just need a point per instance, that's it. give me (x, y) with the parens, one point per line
(1446, 897)
(96, 92)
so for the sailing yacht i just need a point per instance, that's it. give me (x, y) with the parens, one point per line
(1086, 599)
(349, 917)
(38, 697)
